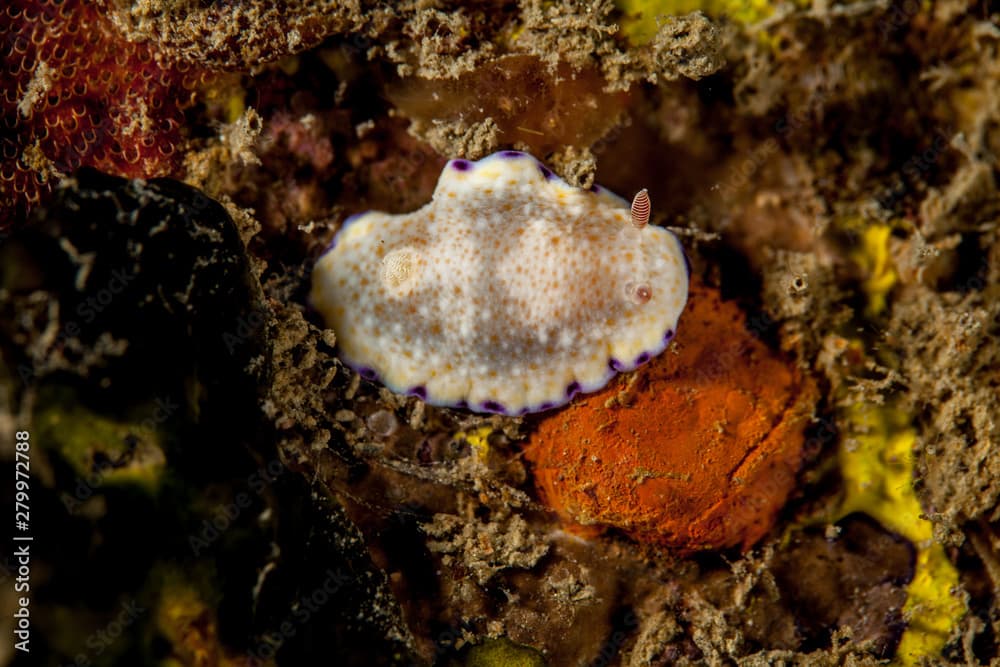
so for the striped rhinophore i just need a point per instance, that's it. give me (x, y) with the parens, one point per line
(640, 208)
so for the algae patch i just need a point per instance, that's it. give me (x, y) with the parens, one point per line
(877, 465)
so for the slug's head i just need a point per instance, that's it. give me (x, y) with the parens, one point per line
(651, 285)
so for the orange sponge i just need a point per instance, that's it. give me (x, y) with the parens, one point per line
(697, 450)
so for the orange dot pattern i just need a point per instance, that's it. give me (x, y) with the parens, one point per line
(509, 292)
(74, 93)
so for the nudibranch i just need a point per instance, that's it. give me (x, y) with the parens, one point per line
(509, 292)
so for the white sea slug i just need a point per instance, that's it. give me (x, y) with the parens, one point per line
(509, 292)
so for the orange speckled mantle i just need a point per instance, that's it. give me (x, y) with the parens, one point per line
(697, 450)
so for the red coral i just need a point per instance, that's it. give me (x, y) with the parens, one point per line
(75, 92)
